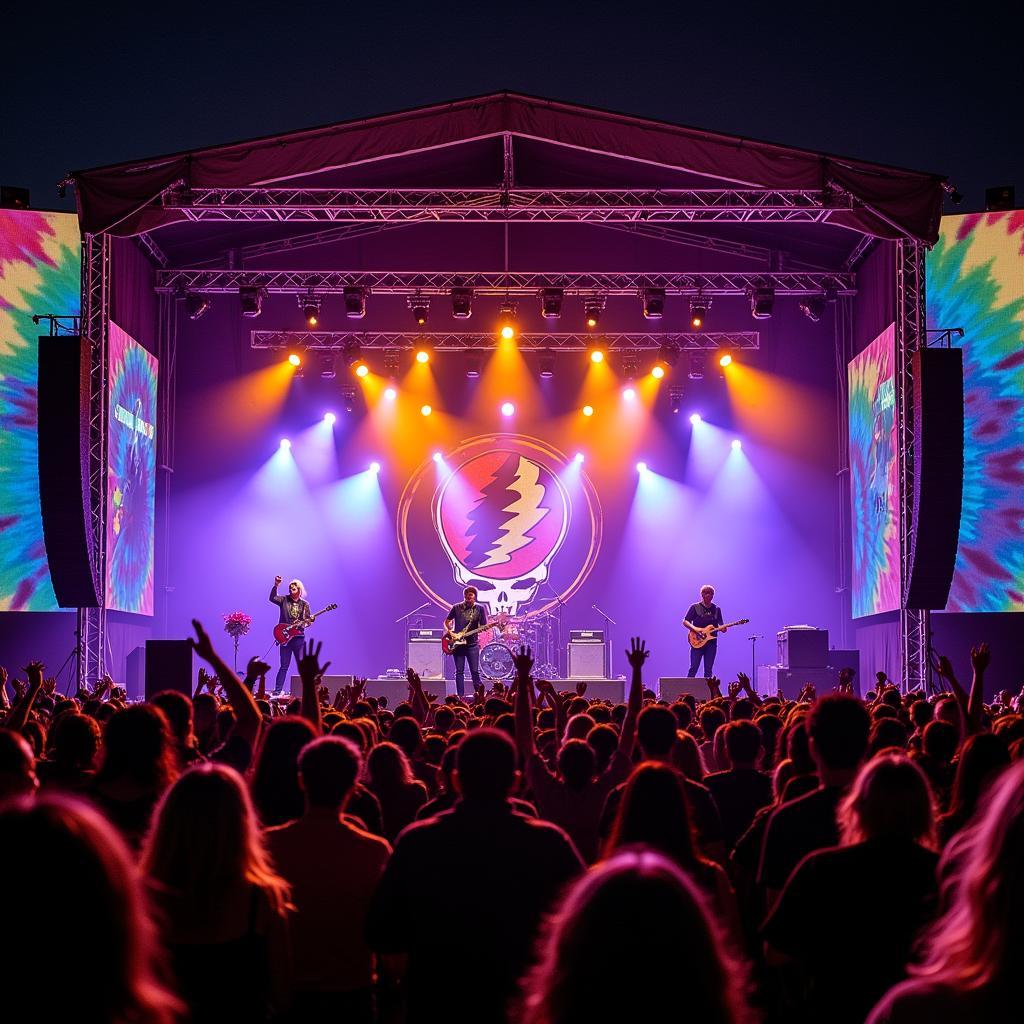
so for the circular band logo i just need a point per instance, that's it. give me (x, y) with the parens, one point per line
(507, 514)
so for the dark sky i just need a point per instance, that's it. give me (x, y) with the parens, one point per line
(917, 88)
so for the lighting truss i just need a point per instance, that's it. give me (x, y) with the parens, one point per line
(501, 283)
(500, 204)
(462, 342)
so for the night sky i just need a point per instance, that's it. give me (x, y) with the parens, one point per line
(923, 90)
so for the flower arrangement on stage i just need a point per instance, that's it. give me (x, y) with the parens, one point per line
(236, 625)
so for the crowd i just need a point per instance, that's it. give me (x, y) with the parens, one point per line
(528, 855)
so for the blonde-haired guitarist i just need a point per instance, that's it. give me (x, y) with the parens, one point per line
(699, 616)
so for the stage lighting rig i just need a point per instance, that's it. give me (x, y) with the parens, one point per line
(196, 306)
(762, 299)
(348, 398)
(295, 354)
(356, 363)
(423, 351)
(592, 309)
(698, 365)
(328, 368)
(597, 350)
(668, 356)
(474, 365)
(630, 366)
(813, 307)
(699, 306)
(547, 366)
(654, 303)
(551, 303)
(355, 302)
(462, 303)
(675, 397)
(507, 321)
(310, 306)
(420, 308)
(250, 300)
(392, 363)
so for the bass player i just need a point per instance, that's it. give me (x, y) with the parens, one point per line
(460, 617)
(698, 617)
(294, 608)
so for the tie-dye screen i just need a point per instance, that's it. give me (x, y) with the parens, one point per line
(975, 280)
(131, 474)
(40, 272)
(874, 478)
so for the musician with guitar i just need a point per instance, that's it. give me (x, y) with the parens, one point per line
(704, 621)
(463, 625)
(295, 612)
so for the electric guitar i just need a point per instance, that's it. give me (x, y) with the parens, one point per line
(451, 641)
(699, 637)
(285, 631)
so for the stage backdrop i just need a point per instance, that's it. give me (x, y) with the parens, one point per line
(131, 474)
(40, 271)
(874, 478)
(975, 280)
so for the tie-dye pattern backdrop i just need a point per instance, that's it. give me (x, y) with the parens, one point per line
(131, 475)
(40, 272)
(874, 478)
(975, 280)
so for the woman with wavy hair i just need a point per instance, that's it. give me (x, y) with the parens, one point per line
(973, 956)
(391, 780)
(79, 890)
(633, 941)
(223, 906)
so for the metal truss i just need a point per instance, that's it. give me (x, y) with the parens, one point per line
(95, 324)
(804, 206)
(227, 281)
(910, 336)
(149, 245)
(336, 341)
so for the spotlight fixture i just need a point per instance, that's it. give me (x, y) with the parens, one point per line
(390, 394)
(420, 308)
(438, 457)
(285, 444)
(474, 365)
(641, 467)
(354, 358)
(196, 305)
(588, 410)
(698, 365)
(328, 368)
(725, 359)
(654, 303)
(547, 366)
(596, 351)
(675, 397)
(737, 444)
(507, 321)
(695, 418)
(250, 300)
(657, 371)
(668, 356)
(629, 394)
(508, 409)
(310, 306)
(592, 308)
(330, 418)
(392, 362)
(374, 467)
(425, 410)
(551, 303)
(355, 302)
(578, 457)
(423, 351)
(813, 307)
(295, 353)
(699, 306)
(348, 398)
(462, 303)
(762, 299)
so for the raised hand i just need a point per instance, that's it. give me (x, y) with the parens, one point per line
(310, 668)
(277, 581)
(734, 689)
(637, 653)
(943, 666)
(581, 688)
(744, 680)
(256, 668)
(34, 672)
(479, 693)
(980, 657)
(431, 697)
(322, 693)
(523, 662)
(202, 645)
(715, 686)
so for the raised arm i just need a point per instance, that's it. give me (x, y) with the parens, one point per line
(311, 671)
(417, 698)
(247, 715)
(273, 591)
(747, 688)
(636, 655)
(524, 704)
(980, 658)
(18, 718)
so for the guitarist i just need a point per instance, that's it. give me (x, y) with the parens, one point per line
(293, 608)
(700, 615)
(468, 615)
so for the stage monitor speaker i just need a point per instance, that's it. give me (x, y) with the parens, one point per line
(938, 475)
(168, 667)
(586, 655)
(802, 647)
(135, 673)
(333, 684)
(395, 690)
(424, 653)
(63, 426)
(599, 688)
(671, 688)
(773, 678)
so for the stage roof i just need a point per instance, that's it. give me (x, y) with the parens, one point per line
(555, 145)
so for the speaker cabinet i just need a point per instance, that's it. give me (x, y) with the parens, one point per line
(135, 673)
(938, 474)
(424, 653)
(586, 658)
(168, 667)
(63, 425)
(333, 684)
(397, 690)
(671, 688)
(599, 688)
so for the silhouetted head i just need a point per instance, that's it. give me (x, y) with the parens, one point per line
(486, 765)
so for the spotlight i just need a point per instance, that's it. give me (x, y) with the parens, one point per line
(437, 456)
(547, 366)
(285, 444)
(250, 300)
(737, 444)
(355, 303)
(578, 457)
(762, 299)
(596, 351)
(641, 467)
(592, 311)
(348, 398)
(657, 371)
(699, 306)
(668, 356)
(474, 365)
(196, 305)
(725, 359)
(813, 307)
(654, 303)
(588, 410)
(629, 394)
(390, 394)
(462, 303)
(551, 303)
(507, 409)
(675, 398)
(328, 370)
(420, 309)
(329, 418)
(374, 467)
(698, 365)
(295, 354)
(357, 364)
(695, 418)
(425, 410)
(310, 306)
(362, 369)
(423, 350)
(507, 321)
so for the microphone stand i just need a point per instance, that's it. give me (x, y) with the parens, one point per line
(405, 644)
(753, 656)
(608, 644)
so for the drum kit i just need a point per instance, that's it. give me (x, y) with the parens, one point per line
(539, 632)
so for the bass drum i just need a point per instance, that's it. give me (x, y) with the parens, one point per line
(496, 661)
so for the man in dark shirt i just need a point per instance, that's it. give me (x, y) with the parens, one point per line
(293, 608)
(468, 615)
(741, 791)
(523, 862)
(698, 616)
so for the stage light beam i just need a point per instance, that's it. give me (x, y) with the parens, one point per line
(508, 409)
(629, 394)
(725, 360)
(425, 410)
(578, 457)
(390, 394)
(641, 467)
(285, 444)
(329, 418)
(588, 410)
(695, 418)
(374, 467)
(737, 444)
(658, 371)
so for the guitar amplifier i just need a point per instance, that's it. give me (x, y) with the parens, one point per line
(333, 684)
(802, 647)
(423, 650)
(671, 688)
(586, 654)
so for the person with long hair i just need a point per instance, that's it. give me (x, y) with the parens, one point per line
(862, 902)
(973, 956)
(223, 907)
(98, 910)
(633, 941)
(982, 758)
(275, 788)
(72, 746)
(392, 781)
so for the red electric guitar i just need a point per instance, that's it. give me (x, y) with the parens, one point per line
(285, 631)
